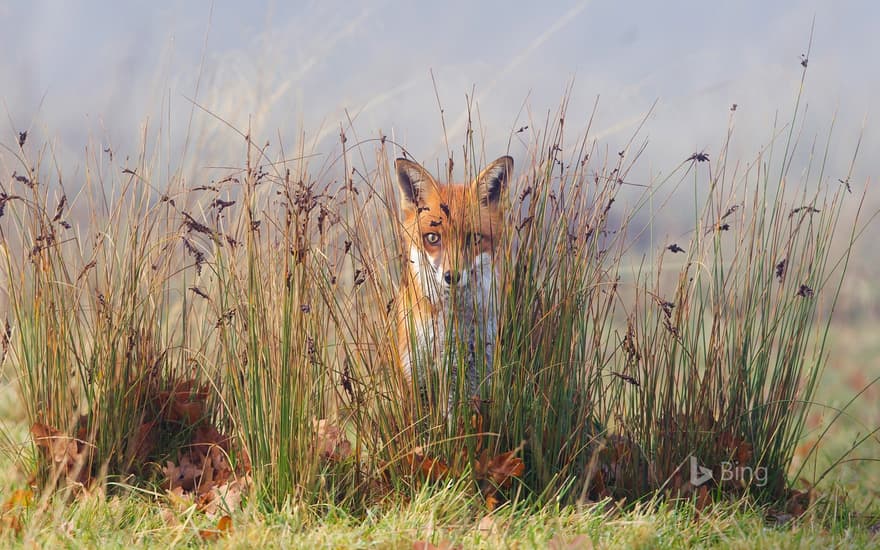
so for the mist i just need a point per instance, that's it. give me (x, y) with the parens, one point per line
(188, 79)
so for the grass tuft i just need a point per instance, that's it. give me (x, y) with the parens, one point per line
(264, 303)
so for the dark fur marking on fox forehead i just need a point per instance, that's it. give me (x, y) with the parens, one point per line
(423, 209)
(435, 223)
(445, 208)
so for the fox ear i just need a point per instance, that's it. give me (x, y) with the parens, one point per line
(493, 180)
(412, 179)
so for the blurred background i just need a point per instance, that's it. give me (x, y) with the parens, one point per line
(119, 75)
(88, 76)
(74, 71)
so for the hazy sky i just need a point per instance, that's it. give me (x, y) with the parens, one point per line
(72, 71)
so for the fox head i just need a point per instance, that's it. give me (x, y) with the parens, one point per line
(451, 230)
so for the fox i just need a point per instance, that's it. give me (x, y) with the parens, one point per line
(446, 303)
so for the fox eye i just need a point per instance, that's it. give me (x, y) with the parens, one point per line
(473, 239)
(432, 238)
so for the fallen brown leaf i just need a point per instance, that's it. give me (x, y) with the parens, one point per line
(798, 503)
(11, 523)
(431, 468)
(224, 498)
(500, 470)
(736, 447)
(206, 480)
(68, 454)
(186, 412)
(20, 498)
(185, 403)
(11, 515)
(204, 463)
(225, 524)
(504, 467)
(185, 474)
(206, 436)
(331, 441)
(224, 527)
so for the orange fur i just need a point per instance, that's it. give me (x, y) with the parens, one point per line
(450, 233)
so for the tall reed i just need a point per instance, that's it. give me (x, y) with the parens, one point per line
(275, 283)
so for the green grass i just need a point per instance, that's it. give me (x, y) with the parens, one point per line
(131, 519)
(136, 519)
(270, 288)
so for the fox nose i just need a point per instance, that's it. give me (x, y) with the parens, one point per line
(452, 277)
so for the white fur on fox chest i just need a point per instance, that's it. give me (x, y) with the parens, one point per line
(475, 309)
